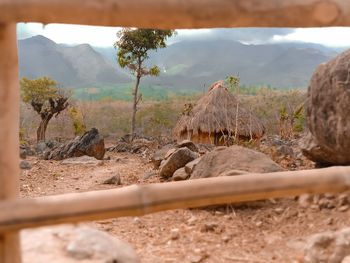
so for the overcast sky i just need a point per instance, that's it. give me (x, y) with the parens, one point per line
(105, 36)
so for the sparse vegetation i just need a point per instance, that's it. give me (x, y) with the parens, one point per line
(46, 100)
(133, 47)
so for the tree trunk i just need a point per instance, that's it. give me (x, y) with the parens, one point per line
(134, 109)
(136, 99)
(40, 133)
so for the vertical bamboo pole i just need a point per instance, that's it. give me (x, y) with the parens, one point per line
(9, 121)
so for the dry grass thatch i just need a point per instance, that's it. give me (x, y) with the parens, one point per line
(215, 113)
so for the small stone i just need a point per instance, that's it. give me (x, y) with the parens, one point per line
(209, 227)
(279, 210)
(343, 208)
(329, 221)
(218, 213)
(305, 200)
(25, 165)
(259, 224)
(192, 221)
(196, 258)
(225, 239)
(180, 175)
(175, 233)
(115, 179)
(137, 220)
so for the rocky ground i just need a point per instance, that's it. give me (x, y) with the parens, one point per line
(265, 231)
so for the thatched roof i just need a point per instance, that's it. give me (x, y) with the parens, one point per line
(215, 112)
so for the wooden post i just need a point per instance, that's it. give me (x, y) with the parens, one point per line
(9, 121)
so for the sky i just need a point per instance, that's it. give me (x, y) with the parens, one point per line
(334, 37)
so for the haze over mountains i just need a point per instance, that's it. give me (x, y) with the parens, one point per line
(188, 64)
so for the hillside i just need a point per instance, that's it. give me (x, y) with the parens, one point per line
(185, 65)
(77, 66)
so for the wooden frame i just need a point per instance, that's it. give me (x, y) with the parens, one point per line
(16, 214)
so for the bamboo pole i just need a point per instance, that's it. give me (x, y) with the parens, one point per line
(140, 200)
(180, 14)
(9, 121)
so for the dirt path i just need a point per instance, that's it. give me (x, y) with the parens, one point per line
(266, 231)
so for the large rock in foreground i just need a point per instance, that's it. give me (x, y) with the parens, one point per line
(328, 113)
(90, 143)
(224, 159)
(330, 247)
(71, 244)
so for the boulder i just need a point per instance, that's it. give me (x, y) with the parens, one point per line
(90, 143)
(330, 247)
(73, 244)
(189, 144)
(159, 155)
(189, 167)
(180, 174)
(224, 159)
(328, 113)
(177, 160)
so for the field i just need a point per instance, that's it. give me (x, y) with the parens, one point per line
(274, 230)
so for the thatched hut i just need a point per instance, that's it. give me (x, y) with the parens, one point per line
(214, 117)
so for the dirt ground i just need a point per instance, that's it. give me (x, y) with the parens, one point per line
(264, 231)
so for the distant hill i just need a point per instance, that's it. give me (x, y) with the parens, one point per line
(77, 66)
(184, 65)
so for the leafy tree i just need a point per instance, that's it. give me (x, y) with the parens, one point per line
(46, 100)
(133, 47)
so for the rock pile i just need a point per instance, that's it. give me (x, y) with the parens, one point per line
(91, 143)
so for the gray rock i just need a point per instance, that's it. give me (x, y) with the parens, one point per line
(25, 165)
(81, 160)
(189, 144)
(189, 167)
(177, 160)
(225, 159)
(115, 179)
(328, 113)
(180, 175)
(73, 244)
(90, 143)
(330, 247)
(148, 174)
(284, 150)
(41, 147)
(22, 153)
(159, 155)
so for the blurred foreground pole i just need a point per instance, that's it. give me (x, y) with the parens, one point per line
(9, 121)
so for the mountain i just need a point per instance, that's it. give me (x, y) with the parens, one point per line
(187, 64)
(194, 63)
(70, 66)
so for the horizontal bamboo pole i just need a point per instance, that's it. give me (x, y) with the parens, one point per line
(139, 200)
(180, 14)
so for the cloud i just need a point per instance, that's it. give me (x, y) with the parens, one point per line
(106, 36)
(70, 34)
(330, 36)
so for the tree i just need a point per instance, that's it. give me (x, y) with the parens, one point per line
(46, 100)
(133, 46)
